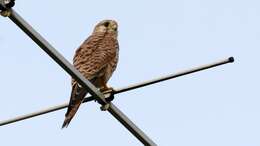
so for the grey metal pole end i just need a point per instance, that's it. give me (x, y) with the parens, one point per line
(231, 59)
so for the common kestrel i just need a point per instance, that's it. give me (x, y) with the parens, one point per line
(96, 59)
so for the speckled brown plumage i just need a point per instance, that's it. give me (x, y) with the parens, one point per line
(96, 59)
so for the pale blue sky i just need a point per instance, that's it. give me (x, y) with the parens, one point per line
(211, 108)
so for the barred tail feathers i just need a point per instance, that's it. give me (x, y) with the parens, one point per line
(77, 95)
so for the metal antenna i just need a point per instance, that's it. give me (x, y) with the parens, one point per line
(7, 11)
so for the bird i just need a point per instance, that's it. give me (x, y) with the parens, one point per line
(96, 59)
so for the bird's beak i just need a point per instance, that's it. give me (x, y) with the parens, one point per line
(114, 27)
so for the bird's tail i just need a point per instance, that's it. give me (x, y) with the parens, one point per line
(77, 95)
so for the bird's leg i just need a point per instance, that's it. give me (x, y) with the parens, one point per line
(105, 89)
(109, 96)
(108, 92)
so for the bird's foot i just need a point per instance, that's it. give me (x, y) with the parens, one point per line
(109, 93)
(105, 107)
(109, 96)
(106, 89)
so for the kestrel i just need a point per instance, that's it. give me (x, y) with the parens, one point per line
(96, 59)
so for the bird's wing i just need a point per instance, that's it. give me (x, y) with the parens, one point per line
(92, 57)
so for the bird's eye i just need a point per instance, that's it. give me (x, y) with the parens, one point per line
(106, 24)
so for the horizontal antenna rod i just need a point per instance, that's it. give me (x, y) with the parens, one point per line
(121, 90)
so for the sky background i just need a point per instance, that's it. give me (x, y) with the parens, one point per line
(215, 107)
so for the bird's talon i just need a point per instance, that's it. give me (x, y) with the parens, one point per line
(110, 98)
(105, 107)
(109, 95)
(107, 90)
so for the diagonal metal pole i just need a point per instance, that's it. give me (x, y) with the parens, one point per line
(58, 58)
(121, 90)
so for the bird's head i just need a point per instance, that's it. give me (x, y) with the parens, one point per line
(106, 26)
